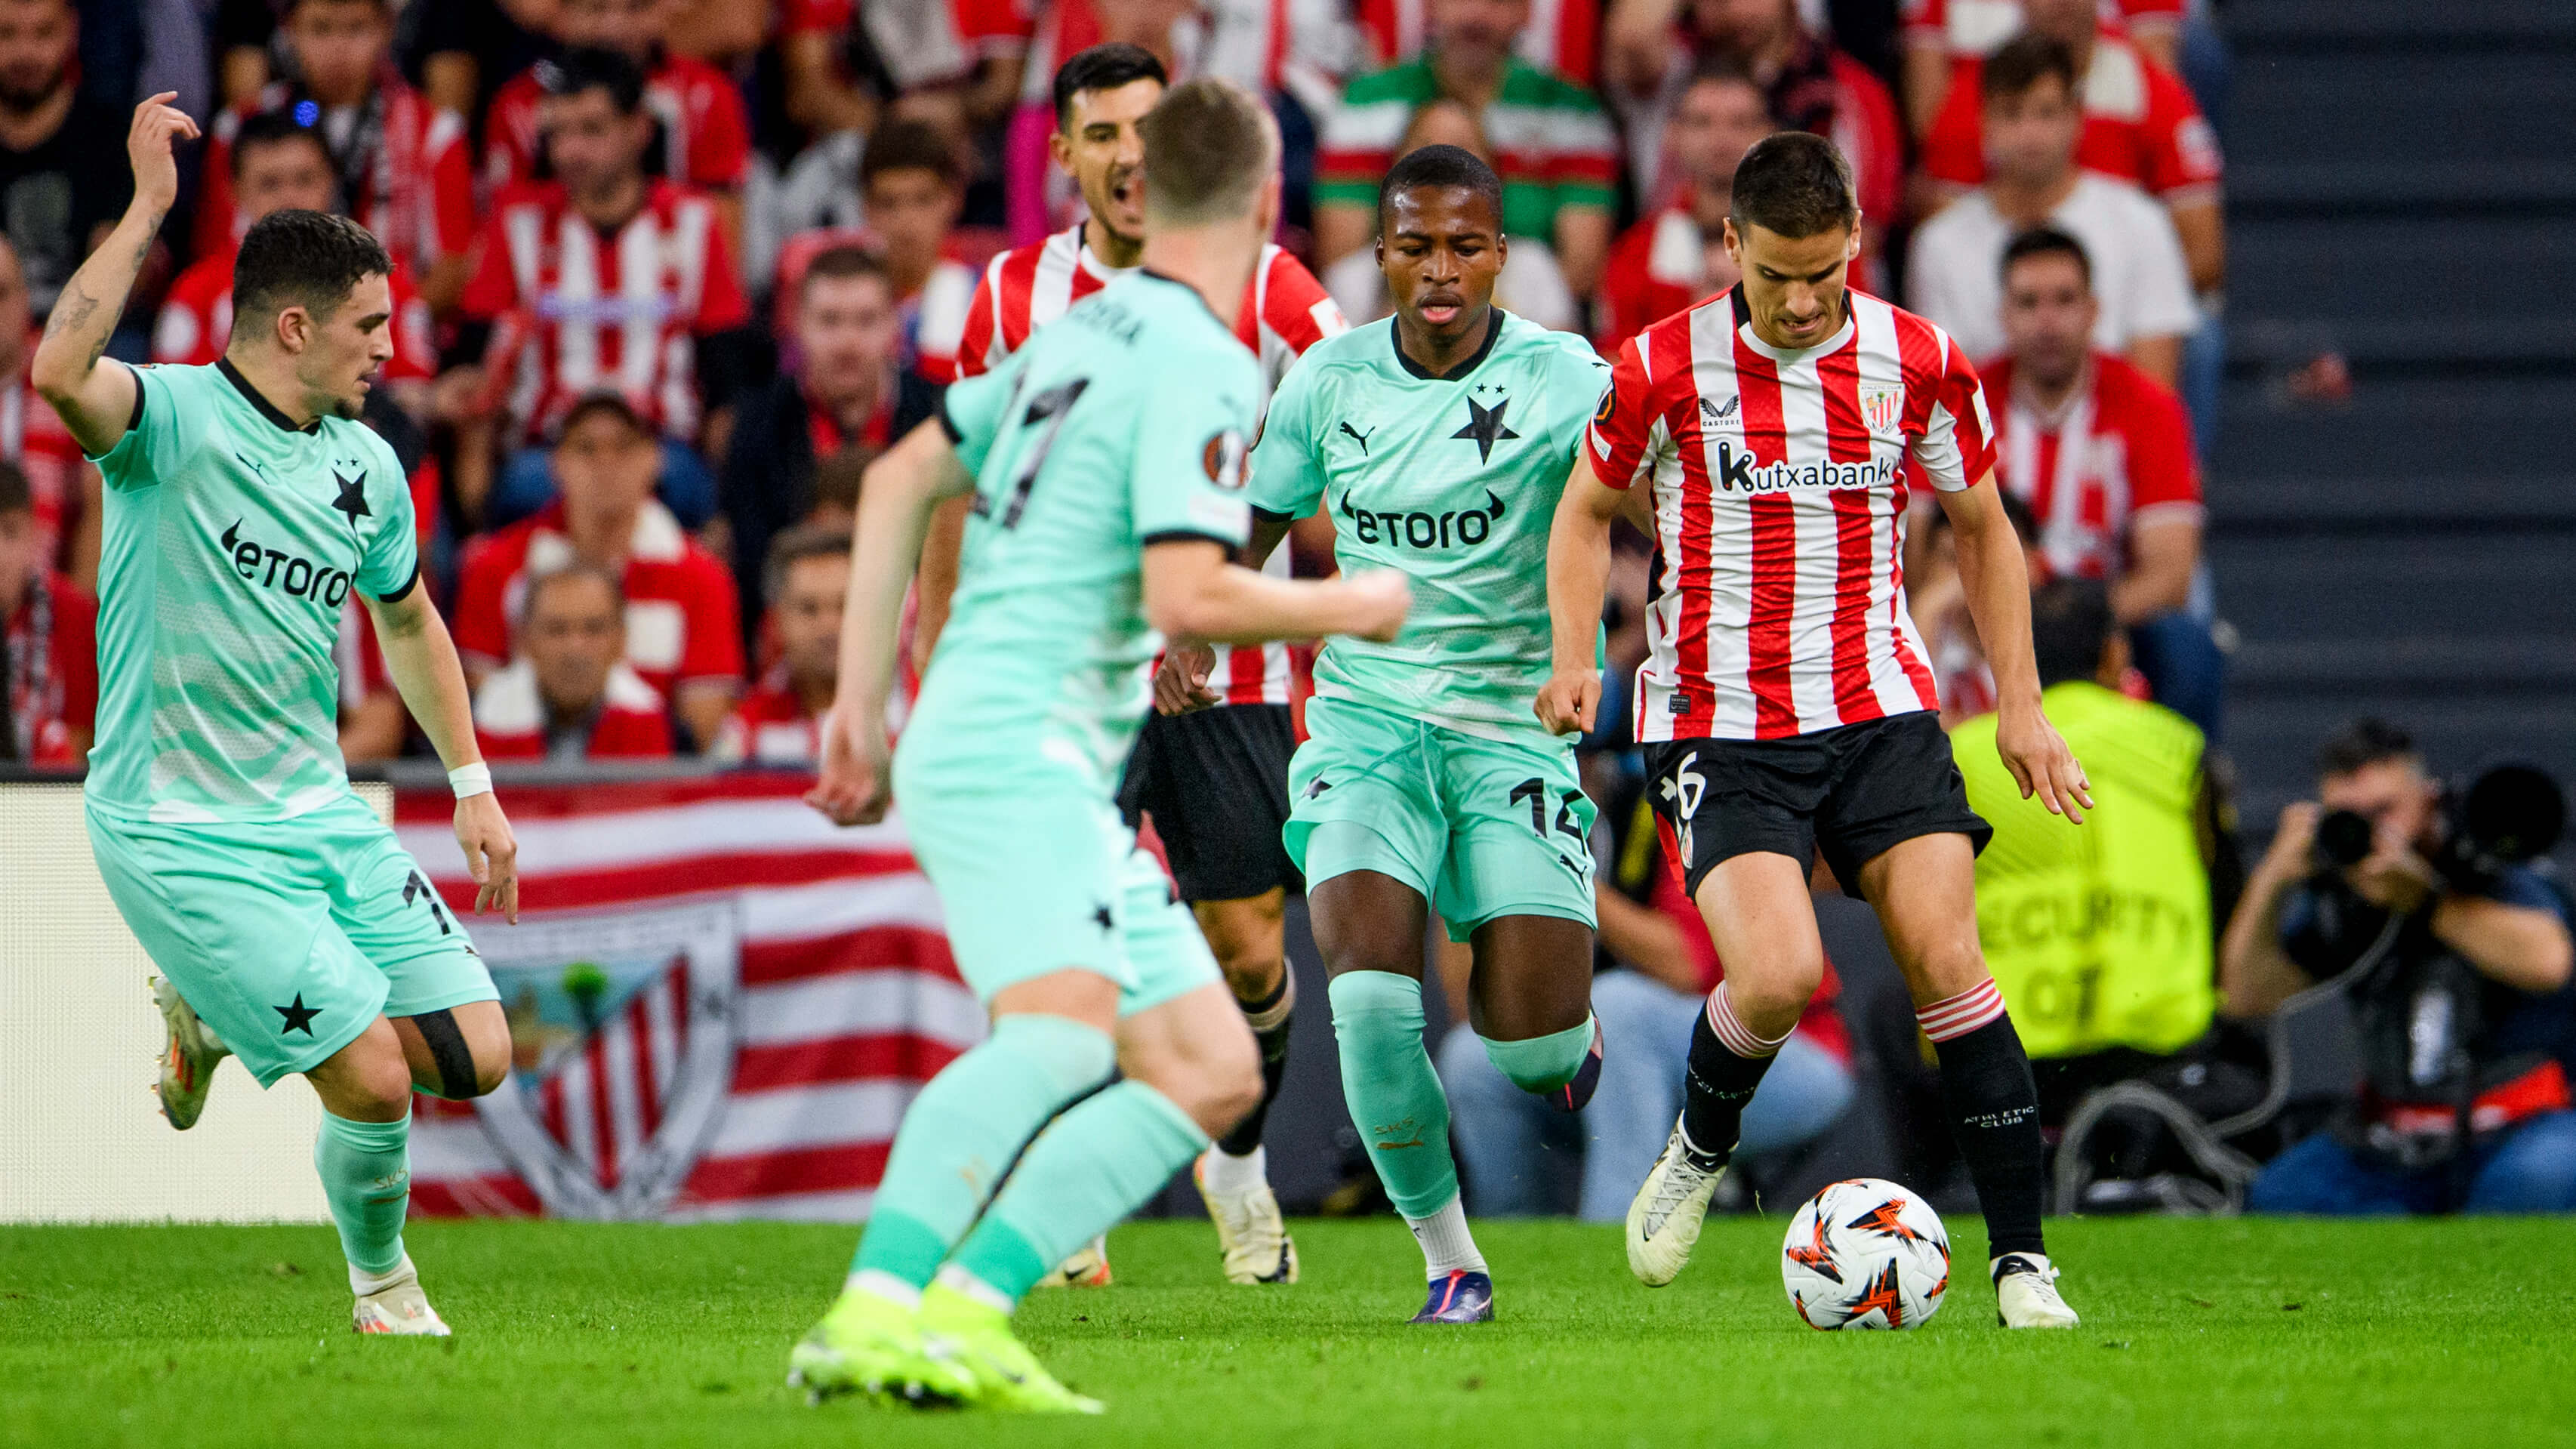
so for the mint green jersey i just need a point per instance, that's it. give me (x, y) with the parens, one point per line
(1452, 480)
(232, 540)
(1123, 424)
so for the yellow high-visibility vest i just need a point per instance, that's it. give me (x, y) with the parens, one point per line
(2097, 933)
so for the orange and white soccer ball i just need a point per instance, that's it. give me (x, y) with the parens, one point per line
(1866, 1253)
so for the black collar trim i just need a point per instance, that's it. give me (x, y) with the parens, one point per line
(1743, 313)
(1484, 349)
(266, 408)
(1195, 295)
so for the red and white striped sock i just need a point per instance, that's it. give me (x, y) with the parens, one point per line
(1956, 1016)
(1739, 1038)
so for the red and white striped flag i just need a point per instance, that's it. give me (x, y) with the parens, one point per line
(720, 1003)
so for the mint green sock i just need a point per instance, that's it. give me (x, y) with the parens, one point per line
(1098, 1163)
(366, 1176)
(1394, 1095)
(962, 1133)
(1542, 1063)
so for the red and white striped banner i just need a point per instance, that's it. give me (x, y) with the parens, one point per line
(721, 1005)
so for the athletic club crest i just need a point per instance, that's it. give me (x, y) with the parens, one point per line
(1881, 407)
(623, 1027)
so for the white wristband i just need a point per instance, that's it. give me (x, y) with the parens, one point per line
(469, 781)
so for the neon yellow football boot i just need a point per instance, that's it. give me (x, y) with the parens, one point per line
(874, 1346)
(1006, 1375)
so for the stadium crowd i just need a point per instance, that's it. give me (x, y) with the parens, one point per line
(670, 272)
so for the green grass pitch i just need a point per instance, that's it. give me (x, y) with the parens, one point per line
(2195, 1333)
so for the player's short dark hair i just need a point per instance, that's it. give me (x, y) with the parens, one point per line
(2070, 621)
(590, 67)
(16, 494)
(2024, 61)
(804, 541)
(1209, 144)
(274, 128)
(2369, 740)
(287, 11)
(2046, 241)
(307, 259)
(838, 263)
(909, 146)
(1793, 184)
(1440, 167)
(1103, 68)
(576, 569)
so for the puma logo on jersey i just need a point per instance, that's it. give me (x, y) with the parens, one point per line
(273, 568)
(1359, 437)
(1425, 530)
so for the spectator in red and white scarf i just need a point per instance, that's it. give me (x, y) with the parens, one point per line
(48, 643)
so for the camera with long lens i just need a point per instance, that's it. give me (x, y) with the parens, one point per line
(2508, 814)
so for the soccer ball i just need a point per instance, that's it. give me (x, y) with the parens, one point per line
(1866, 1253)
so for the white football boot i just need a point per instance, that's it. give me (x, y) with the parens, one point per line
(1663, 1222)
(1250, 1230)
(399, 1307)
(1087, 1268)
(188, 1060)
(2026, 1293)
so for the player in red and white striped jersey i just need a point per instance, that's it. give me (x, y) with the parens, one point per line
(1215, 781)
(1786, 700)
(603, 278)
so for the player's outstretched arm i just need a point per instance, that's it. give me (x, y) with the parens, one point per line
(1997, 581)
(97, 403)
(896, 499)
(1195, 595)
(1578, 573)
(427, 674)
(1180, 685)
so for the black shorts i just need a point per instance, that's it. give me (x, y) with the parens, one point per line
(1853, 792)
(1216, 783)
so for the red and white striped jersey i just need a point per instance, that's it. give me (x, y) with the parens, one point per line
(2116, 454)
(576, 311)
(706, 131)
(1779, 499)
(1284, 312)
(406, 177)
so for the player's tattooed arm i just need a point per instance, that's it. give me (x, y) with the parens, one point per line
(98, 403)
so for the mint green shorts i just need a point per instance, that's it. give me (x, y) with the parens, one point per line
(1482, 828)
(1037, 874)
(291, 937)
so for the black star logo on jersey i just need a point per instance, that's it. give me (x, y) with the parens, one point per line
(1358, 437)
(1485, 425)
(1100, 917)
(299, 1017)
(353, 497)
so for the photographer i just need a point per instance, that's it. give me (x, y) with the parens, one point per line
(2467, 1018)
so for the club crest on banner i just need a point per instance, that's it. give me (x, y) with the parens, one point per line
(623, 1029)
